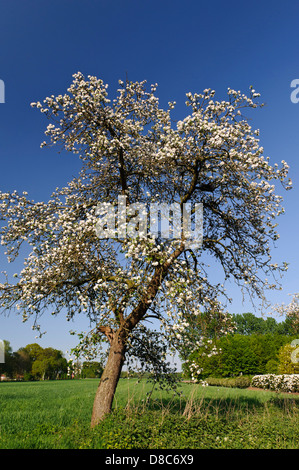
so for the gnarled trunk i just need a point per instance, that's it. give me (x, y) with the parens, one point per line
(109, 380)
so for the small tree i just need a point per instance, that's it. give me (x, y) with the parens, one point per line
(22, 363)
(92, 369)
(288, 359)
(45, 363)
(130, 147)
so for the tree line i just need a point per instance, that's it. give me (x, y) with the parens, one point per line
(248, 323)
(258, 346)
(33, 362)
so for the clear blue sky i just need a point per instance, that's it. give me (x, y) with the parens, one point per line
(181, 45)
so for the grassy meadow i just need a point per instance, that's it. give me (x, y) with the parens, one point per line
(56, 415)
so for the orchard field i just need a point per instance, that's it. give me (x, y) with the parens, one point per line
(56, 415)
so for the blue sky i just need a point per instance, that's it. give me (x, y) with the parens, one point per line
(182, 46)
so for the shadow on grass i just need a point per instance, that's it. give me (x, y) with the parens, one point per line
(285, 402)
(223, 406)
(203, 404)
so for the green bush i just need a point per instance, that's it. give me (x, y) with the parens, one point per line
(91, 370)
(234, 382)
(27, 377)
(242, 382)
(272, 366)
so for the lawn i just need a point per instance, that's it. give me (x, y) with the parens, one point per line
(56, 415)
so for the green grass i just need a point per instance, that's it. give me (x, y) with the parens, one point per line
(56, 415)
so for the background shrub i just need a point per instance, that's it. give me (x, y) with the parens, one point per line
(235, 382)
(286, 364)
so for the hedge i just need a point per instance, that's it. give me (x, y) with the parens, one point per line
(234, 382)
(278, 383)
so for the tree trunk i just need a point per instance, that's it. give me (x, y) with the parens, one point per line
(109, 380)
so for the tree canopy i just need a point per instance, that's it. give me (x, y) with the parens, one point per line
(247, 324)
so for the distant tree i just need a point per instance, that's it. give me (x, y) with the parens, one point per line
(50, 364)
(287, 327)
(41, 368)
(91, 369)
(45, 363)
(248, 324)
(34, 351)
(22, 363)
(270, 325)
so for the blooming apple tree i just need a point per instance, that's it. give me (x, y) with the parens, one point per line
(290, 311)
(130, 146)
